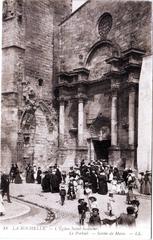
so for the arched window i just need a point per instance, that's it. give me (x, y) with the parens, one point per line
(104, 24)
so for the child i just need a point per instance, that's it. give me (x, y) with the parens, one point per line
(80, 190)
(2, 209)
(120, 187)
(64, 176)
(71, 193)
(129, 196)
(135, 204)
(75, 184)
(82, 209)
(62, 194)
(109, 204)
(87, 190)
(93, 202)
(94, 218)
(114, 185)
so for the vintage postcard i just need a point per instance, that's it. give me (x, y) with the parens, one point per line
(76, 119)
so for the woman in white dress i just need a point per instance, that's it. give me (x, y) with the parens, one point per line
(80, 190)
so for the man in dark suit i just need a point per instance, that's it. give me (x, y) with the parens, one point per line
(5, 183)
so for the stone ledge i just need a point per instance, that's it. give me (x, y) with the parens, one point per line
(84, 148)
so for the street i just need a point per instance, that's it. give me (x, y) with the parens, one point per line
(67, 214)
(23, 213)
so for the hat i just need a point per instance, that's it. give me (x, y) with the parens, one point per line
(95, 210)
(135, 202)
(92, 197)
(80, 200)
(110, 195)
(130, 210)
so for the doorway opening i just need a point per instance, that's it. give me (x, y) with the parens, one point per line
(102, 149)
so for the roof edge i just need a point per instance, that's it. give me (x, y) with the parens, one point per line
(78, 9)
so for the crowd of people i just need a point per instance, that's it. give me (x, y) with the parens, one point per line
(82, 182)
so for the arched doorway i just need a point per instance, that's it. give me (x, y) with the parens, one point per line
(101, 149)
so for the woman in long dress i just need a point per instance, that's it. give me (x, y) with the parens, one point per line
(93, 180)
(147, 184)
(141, 182)
(18, 178)
(102, 180)
(39, 173)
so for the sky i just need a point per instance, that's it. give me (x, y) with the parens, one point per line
(77, 3)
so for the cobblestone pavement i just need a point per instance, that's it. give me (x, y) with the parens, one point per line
(68, 214)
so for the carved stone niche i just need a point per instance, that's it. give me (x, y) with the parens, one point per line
(5, 9)
(100, 128)
(8, 9)
(50, 115)
(26, 138)
(50, 123)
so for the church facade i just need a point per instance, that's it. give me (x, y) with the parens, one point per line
(70, 81)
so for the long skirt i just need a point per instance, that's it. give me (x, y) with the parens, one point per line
(147, 188)
(103, 188)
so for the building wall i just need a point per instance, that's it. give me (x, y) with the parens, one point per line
(144, 152)
(80, 32)
(12, 72)
(82, 46)
(28, 59)
(35, 49)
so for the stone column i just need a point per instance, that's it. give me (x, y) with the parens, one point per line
(61, 122)
(80, 122)
(92, 151)
(114, 119)
(132, 96)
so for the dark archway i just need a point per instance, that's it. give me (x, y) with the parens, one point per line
(102, 149)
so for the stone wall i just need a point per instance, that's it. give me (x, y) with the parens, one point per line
(123, 117)
(42, 41)
(30, 45)
(131, 22)
(39, 46)
(87, 41)
(12, 76)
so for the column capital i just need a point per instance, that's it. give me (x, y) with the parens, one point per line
(81, 97)
(115, 84)
(63, 99)
(132, 87)
(114, 91)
